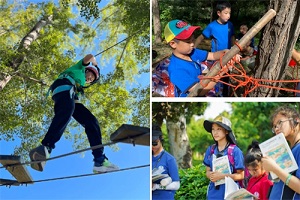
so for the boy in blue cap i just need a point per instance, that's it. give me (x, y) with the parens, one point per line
(65, 90)
(185, 63)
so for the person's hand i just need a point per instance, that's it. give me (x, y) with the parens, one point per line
(269, 164)
(235, 59)
(90, 58)
(94, 62)
(215, 176)
(216, 78)
(155, 186)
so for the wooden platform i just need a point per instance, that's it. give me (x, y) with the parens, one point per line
(8, 182)
(19, 171)
(132, 134)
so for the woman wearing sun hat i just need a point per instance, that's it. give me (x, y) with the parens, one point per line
(225, 144)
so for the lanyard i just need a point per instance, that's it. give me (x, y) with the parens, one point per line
(156, 163)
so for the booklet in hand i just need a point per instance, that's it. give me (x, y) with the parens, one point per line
(221, 164)
(278, 149)
(157, 174)
(232, 191)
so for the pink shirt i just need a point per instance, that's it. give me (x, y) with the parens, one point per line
(260, 186)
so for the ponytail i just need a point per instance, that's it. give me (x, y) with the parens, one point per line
(253, 155)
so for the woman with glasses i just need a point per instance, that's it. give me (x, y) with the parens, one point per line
(165, 177)
(285, 120)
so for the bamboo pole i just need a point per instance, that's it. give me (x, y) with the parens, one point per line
(234, 50)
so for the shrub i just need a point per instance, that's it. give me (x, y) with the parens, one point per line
(193, 183)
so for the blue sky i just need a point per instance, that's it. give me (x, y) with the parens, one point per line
(130, 184)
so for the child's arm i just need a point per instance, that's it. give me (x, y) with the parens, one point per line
(208, 87)
(208, 172)
(237, 176)
(198, 40)
(291, 181)
(216, 55)
(89, 58)
(296, 56)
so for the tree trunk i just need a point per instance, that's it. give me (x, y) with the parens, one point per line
(25, 43)
(179, 143)
(276, 44)
(4, 79)
(156, 22)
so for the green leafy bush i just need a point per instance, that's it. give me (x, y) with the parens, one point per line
(193, 183)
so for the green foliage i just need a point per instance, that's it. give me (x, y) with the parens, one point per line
(199, 138)
(193, 183)
(88, 8)
(172, 110)
(201, 13)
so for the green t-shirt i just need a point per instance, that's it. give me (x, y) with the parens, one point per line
(77, 72)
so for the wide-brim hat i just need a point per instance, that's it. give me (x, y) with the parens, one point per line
(179, 29)
(223, 122)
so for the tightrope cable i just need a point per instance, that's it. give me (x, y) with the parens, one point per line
(74, 152)
(78, 176)
(117, 43)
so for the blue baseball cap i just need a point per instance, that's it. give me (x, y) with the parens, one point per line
(179, 29)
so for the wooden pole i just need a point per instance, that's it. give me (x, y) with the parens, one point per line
(234, 50)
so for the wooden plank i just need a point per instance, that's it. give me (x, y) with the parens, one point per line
(132, 134)
(19, 171)
(8, 182)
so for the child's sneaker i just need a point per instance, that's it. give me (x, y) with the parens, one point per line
(39, 153)
(105, 166)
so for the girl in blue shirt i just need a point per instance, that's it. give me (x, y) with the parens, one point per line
(224, 138)
(285, 120)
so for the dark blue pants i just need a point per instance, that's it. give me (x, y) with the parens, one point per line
(64, 108)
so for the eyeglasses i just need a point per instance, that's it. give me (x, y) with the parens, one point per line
(279, 124)
(154, 143)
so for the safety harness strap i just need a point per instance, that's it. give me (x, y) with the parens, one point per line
(63, 88)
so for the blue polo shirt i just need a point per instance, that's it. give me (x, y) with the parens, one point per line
(212, 192)
(278, 187)
(184, 74)
(168, 162)
(220, 34)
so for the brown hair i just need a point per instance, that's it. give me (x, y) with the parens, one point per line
(288, 112)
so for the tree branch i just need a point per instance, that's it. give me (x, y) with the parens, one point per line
(31, 79)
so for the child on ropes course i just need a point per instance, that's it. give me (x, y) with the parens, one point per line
(65, 90)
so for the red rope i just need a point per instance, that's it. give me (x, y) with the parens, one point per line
(250, 83)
